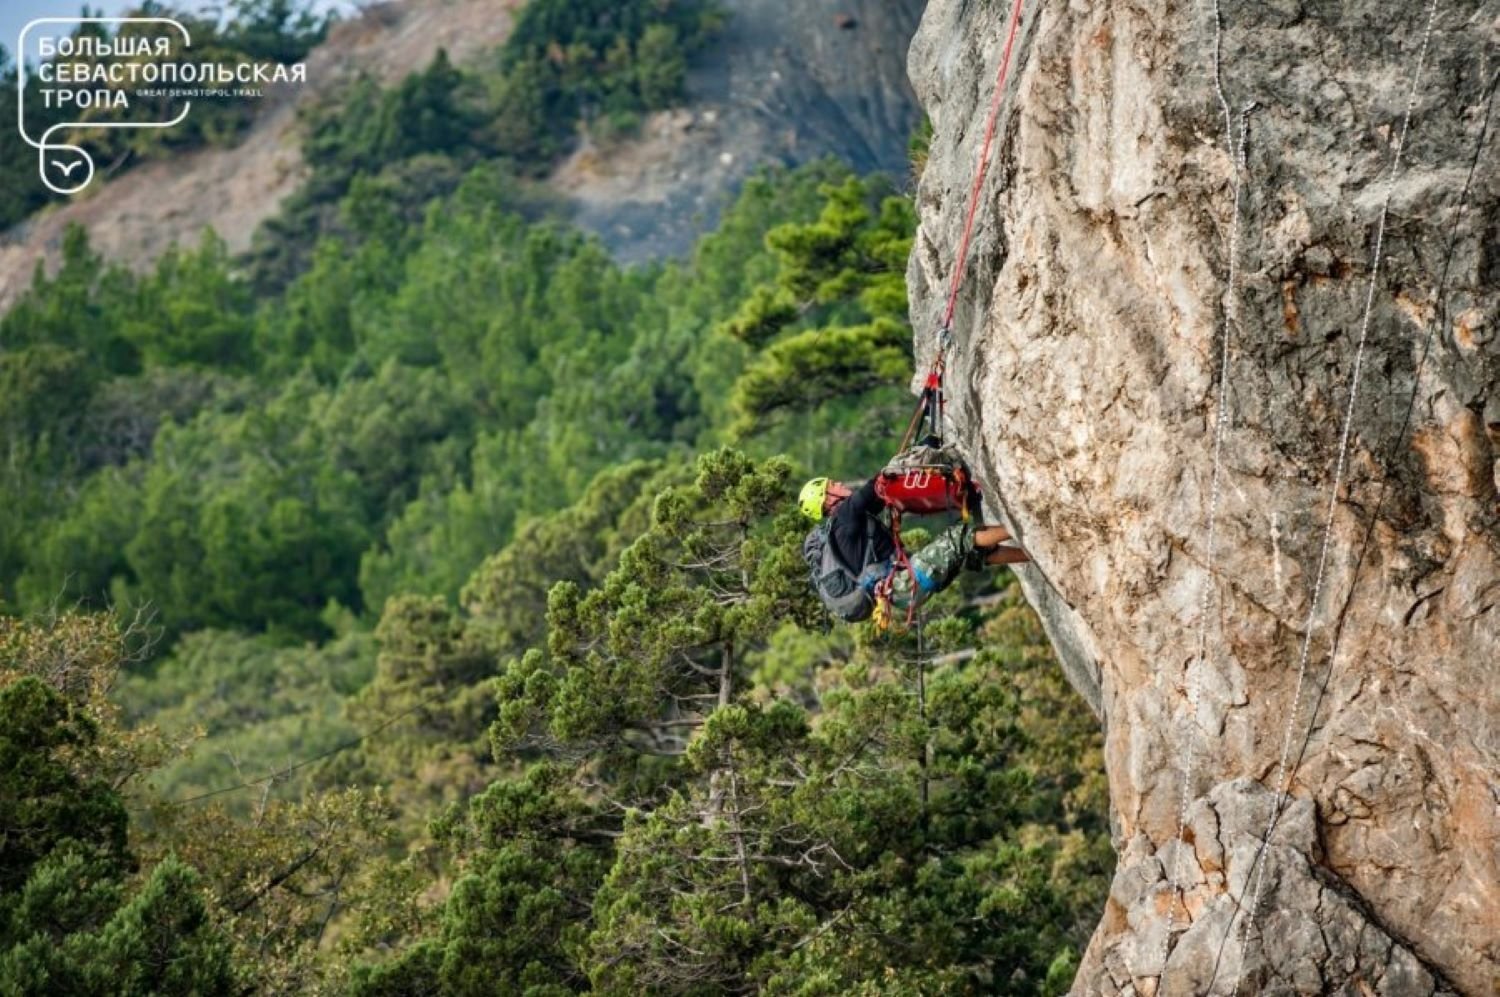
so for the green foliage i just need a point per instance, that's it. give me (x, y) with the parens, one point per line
(602, 64)
(687, 593)
(506, 598)
(802, 369)
(43, 389)
(673, 827)
(257, 705)
(419, 493)
(81, 308)
(567, 60)
(161, 942)
(24, 192)
(43, 802)
(378, 157)
(244, 521)
(278, 879)
(124, 414)
(513, 916)
(831, 324)
(80, 556)
(79, 656)
(422, 114)
(71, 921)
(192, 310)
(75, 396)
(458, 381)
(491, 300)
(275, 30)
(920, 147)
(432, 670)
(201, 901)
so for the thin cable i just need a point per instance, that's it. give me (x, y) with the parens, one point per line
(922, 708)
(282, 773)
(1283, 776)
(960, 262)
(1221, 425)
(1440, 320)
(1440, 299)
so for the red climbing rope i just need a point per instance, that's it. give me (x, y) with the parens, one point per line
(931, 403)
(961, 261)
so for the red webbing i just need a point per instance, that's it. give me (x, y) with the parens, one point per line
(960, 262)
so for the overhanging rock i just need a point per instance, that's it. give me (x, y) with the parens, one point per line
(1083, 381)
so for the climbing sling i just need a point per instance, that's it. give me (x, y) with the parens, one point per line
(928, 477)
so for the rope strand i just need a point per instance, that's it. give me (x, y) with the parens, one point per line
(1283, 776)
(1221, 426)
(960, 263)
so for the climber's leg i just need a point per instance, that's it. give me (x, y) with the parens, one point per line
(986, 537)
(935, 565)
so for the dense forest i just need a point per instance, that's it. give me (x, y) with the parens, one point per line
(414, 605)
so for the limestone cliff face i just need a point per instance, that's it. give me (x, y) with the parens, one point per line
(1084, 380)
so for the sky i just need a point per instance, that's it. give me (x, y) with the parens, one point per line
(15, 13)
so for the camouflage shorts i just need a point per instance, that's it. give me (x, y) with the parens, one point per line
(935, 565)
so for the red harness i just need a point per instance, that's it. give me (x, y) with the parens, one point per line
(923, 480)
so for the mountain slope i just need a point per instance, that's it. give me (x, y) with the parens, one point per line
(135, 217)
(787, 83)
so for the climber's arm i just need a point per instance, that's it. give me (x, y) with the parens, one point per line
(1007, 555)
(864, 502)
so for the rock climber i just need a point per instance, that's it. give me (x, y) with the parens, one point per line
(851, 550)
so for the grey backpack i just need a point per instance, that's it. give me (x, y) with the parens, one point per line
(841, 589)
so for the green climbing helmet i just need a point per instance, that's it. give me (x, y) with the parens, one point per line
(814, 494)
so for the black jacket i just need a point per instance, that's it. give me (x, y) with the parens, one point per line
(847, 531)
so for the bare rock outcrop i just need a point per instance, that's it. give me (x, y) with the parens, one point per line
(789, 82)
(1084, 378)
